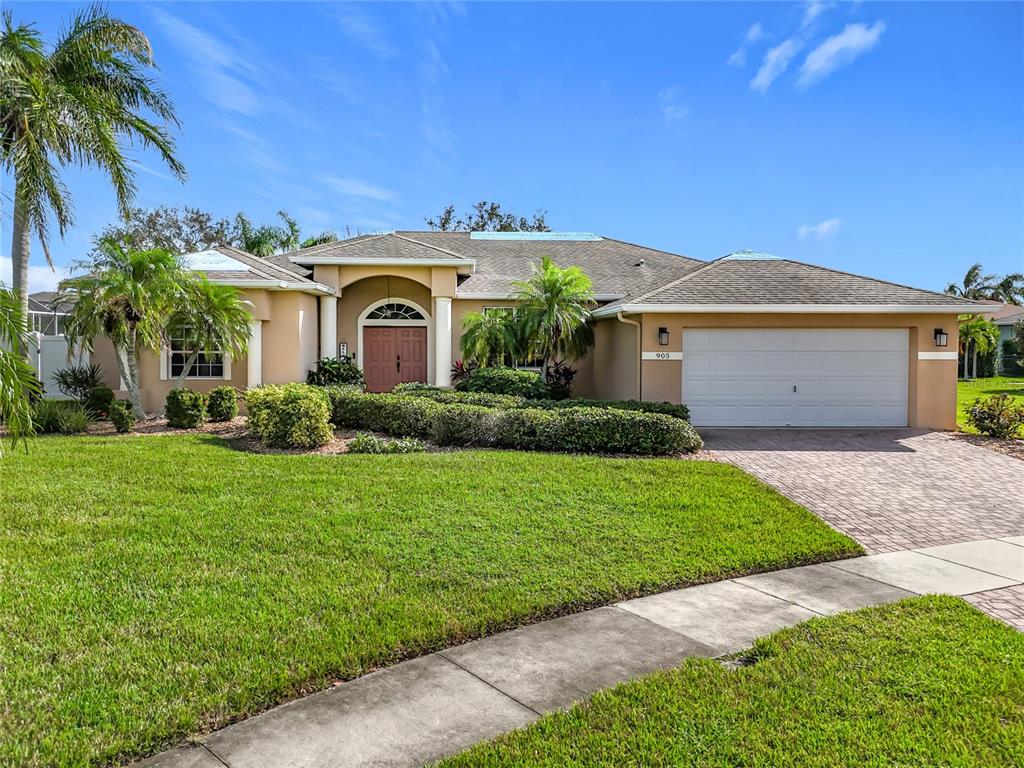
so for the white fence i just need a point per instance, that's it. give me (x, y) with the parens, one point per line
(50, 354)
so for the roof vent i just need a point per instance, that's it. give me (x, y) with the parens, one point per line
(642, 262)
(572, 236)
(750, 256)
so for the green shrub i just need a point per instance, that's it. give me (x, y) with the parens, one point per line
(121, 416)
(185, 408)
(676, 411)
(331, 370)
(290, 416)
(559, 380)
(504, 381)
(98, 401)
(222, 403)
(60, 417)
(76, 380)
(466, 425)
(584, 430)
(365, 442)
(998, 416)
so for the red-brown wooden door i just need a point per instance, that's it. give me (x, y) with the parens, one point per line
(393, 355)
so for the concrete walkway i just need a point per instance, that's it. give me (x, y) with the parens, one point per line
(437, 705)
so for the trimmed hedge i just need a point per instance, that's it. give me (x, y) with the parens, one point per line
(222, 403)
(675, 410)
(583, 430)
(365, 442)
(185, 408)
(290, 416)
(121, 416)
(505, 381)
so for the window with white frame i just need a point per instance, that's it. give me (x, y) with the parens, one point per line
(205, 366)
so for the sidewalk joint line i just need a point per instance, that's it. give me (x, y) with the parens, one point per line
(489, 684)
(215, 756)
(778, 597)
(979, 570)
(871, 578)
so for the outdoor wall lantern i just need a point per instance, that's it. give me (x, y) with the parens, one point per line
(941, 338)
(663, 336)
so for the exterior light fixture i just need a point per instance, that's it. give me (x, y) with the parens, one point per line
(941, 338)
(663, 337)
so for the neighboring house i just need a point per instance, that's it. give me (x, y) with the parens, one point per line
(1005, 316)
(749, 339)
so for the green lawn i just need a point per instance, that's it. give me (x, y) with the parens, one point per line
(969, 391)
(153, 587)
(924, 682)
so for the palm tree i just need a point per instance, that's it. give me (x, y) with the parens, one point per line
(977, 335)
(1009, 289)
(77, 104)
(555, 304)
(975, 285)
(210, 319)
(267, 239)
(127, 296)
(490, 338)
(18, 382)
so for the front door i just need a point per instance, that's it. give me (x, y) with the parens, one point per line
(393, 355)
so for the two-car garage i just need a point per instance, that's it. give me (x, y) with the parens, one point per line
(796, 377)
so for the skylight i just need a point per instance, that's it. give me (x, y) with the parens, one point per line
(212, 261)
(572, 236)
(750, 256)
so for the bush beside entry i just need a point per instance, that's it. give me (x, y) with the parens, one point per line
(504, 381)
(185, 409)
(291, 415)
(579, 429)
(222, 404)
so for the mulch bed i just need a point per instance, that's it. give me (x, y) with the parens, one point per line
(1013, 448)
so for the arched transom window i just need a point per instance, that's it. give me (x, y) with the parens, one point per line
(394, 312)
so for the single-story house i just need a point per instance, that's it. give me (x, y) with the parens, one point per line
(749, 339)
(1006, 317)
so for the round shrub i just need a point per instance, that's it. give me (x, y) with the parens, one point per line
(398, 415)
(593, 430)
(365, 442)
(185, 408)
(330, 370)
(290, 416)
(60, 417)
(999, 416)
(222, 404)
(121, 416)
(505, 381)
(99, 400)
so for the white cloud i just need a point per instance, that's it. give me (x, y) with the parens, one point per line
(826, 228)
(813, 10)
(364, 31)
(739, 56)
(774, 64)
(671, 109)
(838, 51)
(357, 188)
(40, 276)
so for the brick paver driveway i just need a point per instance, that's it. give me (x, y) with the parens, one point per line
(889, 489)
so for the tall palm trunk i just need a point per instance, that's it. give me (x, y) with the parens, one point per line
(974, 362)
(132, 363)
(20, 245)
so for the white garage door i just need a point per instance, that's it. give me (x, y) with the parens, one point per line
(796, 377)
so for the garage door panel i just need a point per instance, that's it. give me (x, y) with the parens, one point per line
(842, 377)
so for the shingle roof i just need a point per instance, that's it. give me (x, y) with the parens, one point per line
(385, 246)
(747, 278)
(255, 268)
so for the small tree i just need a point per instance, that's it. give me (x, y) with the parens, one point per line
(127, 296)
(977, 335)
(487, 217)
(209, 318)
(18, 383)
(268, 239)
(491, 338)
(555, 305)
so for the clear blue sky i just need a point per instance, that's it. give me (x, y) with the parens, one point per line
(884, 139)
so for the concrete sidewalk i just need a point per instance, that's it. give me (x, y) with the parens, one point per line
(437, 705)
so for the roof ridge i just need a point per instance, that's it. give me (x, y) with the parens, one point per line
(428, 245)
(884, 282)
(340, 243)
(705, 266)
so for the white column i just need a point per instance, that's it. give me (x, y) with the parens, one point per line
(328, 326)
(442, 341)
(254, 369)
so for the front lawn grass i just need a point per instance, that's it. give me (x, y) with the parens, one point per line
(927, 681)
(154, 587)
(969, 391)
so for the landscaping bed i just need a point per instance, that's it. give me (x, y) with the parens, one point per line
(157, 587)
(926, 681)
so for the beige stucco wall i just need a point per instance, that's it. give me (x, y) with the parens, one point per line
(357, 296)
(614, 361)
(931, 399)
